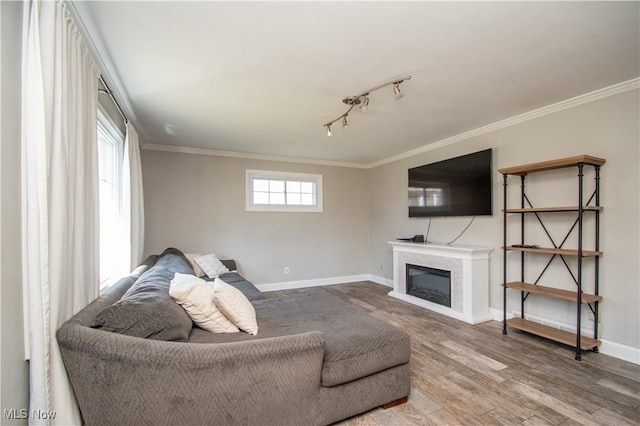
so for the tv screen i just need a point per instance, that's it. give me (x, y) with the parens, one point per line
(459, 186)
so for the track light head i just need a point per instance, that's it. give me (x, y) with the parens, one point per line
(344, 122)
(396, 89)
(365, 103)
(328, 126)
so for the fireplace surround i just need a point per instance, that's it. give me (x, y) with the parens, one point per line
(468, 267)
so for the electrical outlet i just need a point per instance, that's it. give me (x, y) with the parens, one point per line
(286, 270)
(382, 266)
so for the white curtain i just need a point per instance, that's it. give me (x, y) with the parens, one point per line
(60, 196)
(133, 197)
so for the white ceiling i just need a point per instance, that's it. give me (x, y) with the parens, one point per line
(263, 77)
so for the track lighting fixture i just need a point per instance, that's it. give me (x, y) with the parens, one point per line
(363, 101)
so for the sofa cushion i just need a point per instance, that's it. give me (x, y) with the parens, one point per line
(146, 309)
(357, 344)
(196, 297)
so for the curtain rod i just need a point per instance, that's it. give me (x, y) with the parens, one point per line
(110, 93)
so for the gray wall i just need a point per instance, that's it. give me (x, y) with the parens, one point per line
(15, 376)
(197, 203)
(606, 128)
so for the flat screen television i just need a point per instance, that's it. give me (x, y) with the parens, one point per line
(459, 186)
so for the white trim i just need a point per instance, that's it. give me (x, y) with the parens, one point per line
(613, 90)
(249, 156)
(251, 174)
(288, 285)
(607, 347)
(536, 113)
(617, 350)
(381, 280)
(110, 74)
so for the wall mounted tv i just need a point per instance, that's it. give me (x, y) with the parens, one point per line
(459, 186)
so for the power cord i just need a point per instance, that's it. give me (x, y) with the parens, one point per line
(426, 237)
(463, 231)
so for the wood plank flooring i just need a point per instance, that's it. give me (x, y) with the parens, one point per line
(473, 375)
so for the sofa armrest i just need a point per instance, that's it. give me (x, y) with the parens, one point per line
(121, 379)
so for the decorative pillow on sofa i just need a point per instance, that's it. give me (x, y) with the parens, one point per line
(146, 309)
(196, 268)
(235, 306)
(246, 287)
(196, 297)
(211, 265)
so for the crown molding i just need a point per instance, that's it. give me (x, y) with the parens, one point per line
(606, 92)
(103, 61)
(249, 156)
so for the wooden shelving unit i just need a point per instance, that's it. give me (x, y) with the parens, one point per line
(526, 289)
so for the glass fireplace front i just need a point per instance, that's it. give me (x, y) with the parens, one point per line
(429, 284)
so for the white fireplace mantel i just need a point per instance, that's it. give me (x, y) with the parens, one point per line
(469, 267)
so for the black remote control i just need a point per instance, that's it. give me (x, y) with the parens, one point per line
(531, 246)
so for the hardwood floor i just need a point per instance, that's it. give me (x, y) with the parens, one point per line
(473, 375)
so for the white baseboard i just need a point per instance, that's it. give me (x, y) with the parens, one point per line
(381, 280)
(617, 350)
(607, 347)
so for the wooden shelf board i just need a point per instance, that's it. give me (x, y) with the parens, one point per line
(553, 209)
(551, 165)
(555, 293)
(563, 252)
(551, 333)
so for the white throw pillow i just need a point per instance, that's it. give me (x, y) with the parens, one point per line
(211, 265)
(195, 295)
(235, 306)
(196, 268)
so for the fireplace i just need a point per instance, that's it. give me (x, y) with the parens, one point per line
(429, 284)
(467, 283)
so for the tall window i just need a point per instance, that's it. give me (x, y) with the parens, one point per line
(110, 157)
(283, 191)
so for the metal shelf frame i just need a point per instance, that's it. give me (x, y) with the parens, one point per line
(556, 251)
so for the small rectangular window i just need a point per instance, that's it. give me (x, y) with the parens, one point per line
(283, 191)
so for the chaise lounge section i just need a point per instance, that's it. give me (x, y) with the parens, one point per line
(315, 360)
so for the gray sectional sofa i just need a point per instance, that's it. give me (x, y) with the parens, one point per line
(315, 359)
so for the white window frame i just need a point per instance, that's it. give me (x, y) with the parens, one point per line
(114, 135)
(285, 176)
